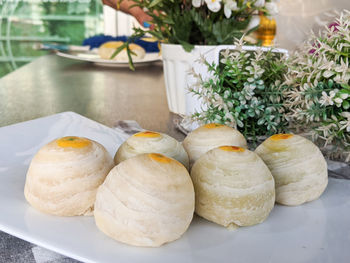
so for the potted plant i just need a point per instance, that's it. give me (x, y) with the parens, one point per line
(189, 29)
(319, 88)
(245, 90)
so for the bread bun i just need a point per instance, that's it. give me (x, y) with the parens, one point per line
(298, 166)
(147, 200)
(107, 49)
(210, 136)
(64, 175)
(151, 142)
(233, 187)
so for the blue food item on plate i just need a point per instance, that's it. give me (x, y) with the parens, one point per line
(149, 44)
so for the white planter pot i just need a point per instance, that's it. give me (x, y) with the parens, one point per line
(177, 63)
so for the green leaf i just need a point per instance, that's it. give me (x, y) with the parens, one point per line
(186, 46)
(345, 86)
(330, 83)
(261, 121)
(154, 3)
(131, 64)
(346, 104)
(119, 49)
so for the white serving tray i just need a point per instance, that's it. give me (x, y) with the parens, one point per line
(315, 232)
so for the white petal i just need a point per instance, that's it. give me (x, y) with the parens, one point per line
(213, 5)
(227, 11)
(338, 100)
(254, 21)
(259, 3)
(272, 8)
(196, 3)
(345, 114)
(328, 73)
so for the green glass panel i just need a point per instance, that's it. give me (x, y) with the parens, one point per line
(23, 24)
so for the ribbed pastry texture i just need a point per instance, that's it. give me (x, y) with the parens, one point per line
(147, 200)
(152, 142)
(64, 175)
(233, 187)
(298, 166)
(210, 136)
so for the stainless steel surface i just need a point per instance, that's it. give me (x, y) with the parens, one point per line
(52, 84)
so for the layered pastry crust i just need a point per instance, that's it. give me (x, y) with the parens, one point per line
(147, 200)
(298, 167)
(152, 142)
(210, 136)
(64, 175)
(233, 187)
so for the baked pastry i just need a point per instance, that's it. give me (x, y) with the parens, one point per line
(210, 136)
(107, 49)
(233, 187)
(298, 166)
(147, 200)
(64, 175)
(151, 142)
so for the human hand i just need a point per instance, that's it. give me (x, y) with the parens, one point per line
(126, 7)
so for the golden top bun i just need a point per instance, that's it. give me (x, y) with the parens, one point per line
(210, 136)
(147, 200)
(64, 175)
(233, 187)
(151, 142)
(298, 166)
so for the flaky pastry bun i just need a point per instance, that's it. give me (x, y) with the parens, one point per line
(147, 200)
(151, 142)
(298, 166)
(210, 136)
(233, 187)
(64, 175)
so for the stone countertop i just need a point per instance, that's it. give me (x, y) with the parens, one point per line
(52, 84)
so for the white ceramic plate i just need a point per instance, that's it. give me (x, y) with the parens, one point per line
(93, 57)
(315, 232)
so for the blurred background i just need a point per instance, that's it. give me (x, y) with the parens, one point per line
(26, 23)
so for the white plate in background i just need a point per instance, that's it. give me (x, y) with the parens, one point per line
(315, 232)
(93, 57)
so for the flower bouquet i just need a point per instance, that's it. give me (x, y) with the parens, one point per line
(200, 22)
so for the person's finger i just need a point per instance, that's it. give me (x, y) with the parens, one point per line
(144, 19)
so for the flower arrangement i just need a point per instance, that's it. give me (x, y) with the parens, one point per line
(245, 91)
(200, 22)
(319, 92)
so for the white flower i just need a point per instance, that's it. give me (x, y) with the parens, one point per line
(213, 5)
(254, 22)
(326, 100)
(197, 3)
(259, 3)
(272, 8)
(229, 6)
(346, 123)
(338, 101)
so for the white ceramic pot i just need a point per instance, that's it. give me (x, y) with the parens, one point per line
(177, 63)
